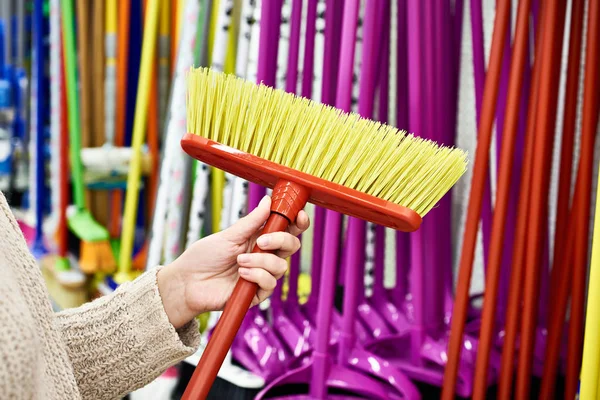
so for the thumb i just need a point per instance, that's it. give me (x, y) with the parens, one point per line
(252, 222)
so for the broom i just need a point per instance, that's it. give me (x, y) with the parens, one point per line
(307, 151)
(96, 253)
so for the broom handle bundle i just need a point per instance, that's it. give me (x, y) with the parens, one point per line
(494, 265)
(480, 169)
(544, 137)
(567, 141)
(519, 247)
(589, 124)
(576, 249)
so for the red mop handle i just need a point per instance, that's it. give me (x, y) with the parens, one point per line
(287, 200)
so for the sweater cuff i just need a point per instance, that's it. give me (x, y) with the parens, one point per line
(123, 341)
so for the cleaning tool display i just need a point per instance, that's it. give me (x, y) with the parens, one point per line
(95, 254)
(421, 174)
(129, 130)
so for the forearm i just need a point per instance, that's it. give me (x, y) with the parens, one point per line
(121, 342)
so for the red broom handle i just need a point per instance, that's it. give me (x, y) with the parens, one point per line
(504, 183)
(559, 305)
(287, 200)
(480, 168)
(568, 138)
(513, 312)
(588, 136)
(553, 28)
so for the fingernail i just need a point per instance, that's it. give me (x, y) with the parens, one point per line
(243, 258)
(244, 271)
(263, 240)
(264, 199)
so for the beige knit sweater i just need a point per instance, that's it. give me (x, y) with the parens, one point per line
(102, 350)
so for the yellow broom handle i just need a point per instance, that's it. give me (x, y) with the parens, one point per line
(590, 370)
(139, 132)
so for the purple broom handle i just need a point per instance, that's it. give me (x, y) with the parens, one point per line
(457, 23)
(292, 297)
(352, 289)
(291, 78)
(433, 308)
(264, 74)
(443, 130)
(479, 72)
(402, 238)
(309, 49)
(503, 93)
(343, 98)
(416, 92)
(379, 274)
(447, 79)
(333, 219)
(320, 356)
(355, 251)
(331, 51)
(275, 30)
(291, 81)
(402, 73)
(454, 54)
(327, 97)
(306, 91)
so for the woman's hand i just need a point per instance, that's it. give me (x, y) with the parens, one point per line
(204, 276)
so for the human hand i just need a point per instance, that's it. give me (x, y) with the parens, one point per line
(203, 277)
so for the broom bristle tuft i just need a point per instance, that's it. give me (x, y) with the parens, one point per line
(322, 141)
(96, 257)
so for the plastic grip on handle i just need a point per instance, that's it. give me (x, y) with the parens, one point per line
(287, 200)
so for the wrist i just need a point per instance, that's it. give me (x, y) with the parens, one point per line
(172, 289)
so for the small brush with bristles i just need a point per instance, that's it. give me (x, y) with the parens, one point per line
(307, 152)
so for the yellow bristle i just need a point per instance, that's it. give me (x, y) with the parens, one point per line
(320, 140)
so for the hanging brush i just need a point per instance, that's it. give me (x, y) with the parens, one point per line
(307, 151)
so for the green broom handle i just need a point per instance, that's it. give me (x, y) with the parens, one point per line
(74, 125)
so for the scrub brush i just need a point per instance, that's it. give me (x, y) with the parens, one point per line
(306, 152)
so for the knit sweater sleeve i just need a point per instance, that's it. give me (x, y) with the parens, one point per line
(121, 342)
